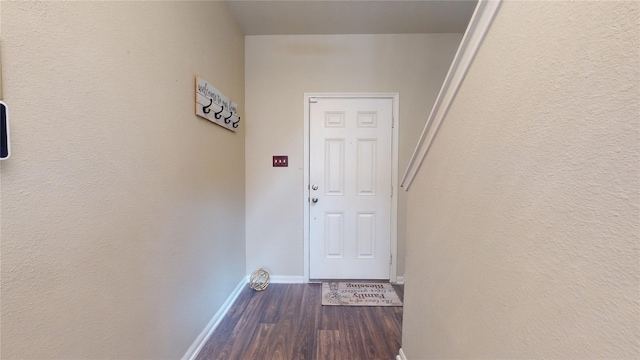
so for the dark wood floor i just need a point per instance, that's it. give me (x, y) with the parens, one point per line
(288, 321)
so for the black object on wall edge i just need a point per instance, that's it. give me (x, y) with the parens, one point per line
(5, 150)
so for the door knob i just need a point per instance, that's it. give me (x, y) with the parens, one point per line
(314, 187)
(314, 199)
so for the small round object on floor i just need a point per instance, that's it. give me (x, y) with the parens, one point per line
(259, 280)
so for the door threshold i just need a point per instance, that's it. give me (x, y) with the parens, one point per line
(318, 281)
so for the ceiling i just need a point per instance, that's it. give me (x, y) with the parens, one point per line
(303, 17)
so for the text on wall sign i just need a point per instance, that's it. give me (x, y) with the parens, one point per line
(215, 107)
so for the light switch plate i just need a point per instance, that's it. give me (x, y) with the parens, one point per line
(280, 161)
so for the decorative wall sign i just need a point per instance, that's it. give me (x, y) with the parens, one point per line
(215, 107)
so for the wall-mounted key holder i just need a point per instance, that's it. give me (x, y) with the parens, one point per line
(215, 107)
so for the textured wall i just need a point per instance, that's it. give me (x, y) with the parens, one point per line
(524, 219)
(279, 70)
(122, 212)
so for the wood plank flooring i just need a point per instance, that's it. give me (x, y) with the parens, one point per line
(288, 321)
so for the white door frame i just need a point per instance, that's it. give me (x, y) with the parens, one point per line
(395, 97)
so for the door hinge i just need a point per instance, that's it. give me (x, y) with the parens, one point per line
(393, 122)
(391, 190)
(390, 259)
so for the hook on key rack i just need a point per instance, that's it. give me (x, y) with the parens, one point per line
(206, 109)
(235, 123)
(217, 115)
(227, 119)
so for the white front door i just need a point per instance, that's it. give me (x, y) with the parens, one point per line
(350, 150)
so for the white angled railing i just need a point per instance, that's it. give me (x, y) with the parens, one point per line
(473, 36)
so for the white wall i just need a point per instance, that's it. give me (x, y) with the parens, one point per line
(279, 70)
(122, 212)
(523, 226)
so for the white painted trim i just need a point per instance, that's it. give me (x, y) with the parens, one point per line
(478, 26)
(284, 279)
(197, 345)
(401, 355)
(396, 189)
(305, 197)
(399, 280)
(395, 97)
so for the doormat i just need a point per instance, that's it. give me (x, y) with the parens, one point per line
(359, 294)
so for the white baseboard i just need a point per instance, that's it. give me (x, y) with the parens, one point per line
(399, 280)
(401, 355)
(215, 321)
(284, 279)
